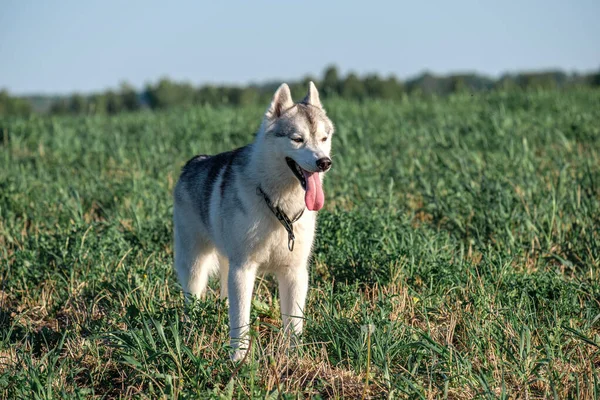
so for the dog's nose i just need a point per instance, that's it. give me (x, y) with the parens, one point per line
(324, 164)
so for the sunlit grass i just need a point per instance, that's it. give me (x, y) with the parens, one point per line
(465, 230)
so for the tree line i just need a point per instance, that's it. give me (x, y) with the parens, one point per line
(167, 93)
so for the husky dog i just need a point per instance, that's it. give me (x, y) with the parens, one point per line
(253, 210)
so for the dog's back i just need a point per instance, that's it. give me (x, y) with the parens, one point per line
(204, 178)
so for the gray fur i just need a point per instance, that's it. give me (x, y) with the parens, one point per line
(201, 172)
(222, 224)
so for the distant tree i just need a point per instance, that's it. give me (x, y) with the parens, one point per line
(233, 95)
(389, 88)
(185, 94)
(331, 81)
(353, 87)
(426, 83)
(242, 96)
(97, 104)
(374, 86)
(507, 83)
(59, 107)
(469, 82)
(458, 83)
(392, 88)
(77, 104)
(575, 80)
(167, 94)
(593, 79)
(541, 80)
(153, 96)
(210, 94)
(114, 103)
(129, 97)
(248, 96)
(13, 105)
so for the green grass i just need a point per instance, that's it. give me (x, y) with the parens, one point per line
(465, 230)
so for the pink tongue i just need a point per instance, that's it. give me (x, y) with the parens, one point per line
(314, 197)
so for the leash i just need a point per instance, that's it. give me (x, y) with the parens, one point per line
(287, 223)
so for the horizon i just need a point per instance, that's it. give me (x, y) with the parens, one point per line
(317, 78)
(60, 49)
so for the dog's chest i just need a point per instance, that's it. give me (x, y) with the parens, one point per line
(274, 252)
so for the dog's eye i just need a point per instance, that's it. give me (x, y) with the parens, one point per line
(324, 139)
(298, 140)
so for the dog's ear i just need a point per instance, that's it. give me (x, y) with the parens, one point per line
(312, 98)
(282, 100)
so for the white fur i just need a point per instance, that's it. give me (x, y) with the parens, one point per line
(241, 245)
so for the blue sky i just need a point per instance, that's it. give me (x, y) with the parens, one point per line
(65, 46)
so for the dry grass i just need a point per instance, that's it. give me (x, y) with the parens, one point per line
(463, 230)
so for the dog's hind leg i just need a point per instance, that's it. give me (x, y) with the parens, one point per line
(202, 268)
(194, 263)
(195, 257)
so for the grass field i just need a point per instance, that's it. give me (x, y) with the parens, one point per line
(465, 231)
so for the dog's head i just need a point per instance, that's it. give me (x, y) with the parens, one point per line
(300, 134)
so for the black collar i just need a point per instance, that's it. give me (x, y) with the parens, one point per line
(287, 223)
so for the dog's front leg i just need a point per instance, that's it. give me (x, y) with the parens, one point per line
(293, 287)
(240, 286)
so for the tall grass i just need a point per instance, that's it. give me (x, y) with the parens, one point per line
(464, 230)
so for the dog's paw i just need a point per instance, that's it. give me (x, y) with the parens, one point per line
(238, 355)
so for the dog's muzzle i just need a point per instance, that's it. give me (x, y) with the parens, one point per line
(324, 164)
